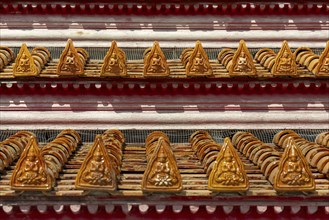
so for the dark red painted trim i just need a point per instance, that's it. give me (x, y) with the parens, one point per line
(165, 9)
(160, 88)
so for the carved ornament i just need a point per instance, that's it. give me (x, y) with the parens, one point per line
(162, 173)
(155, 62)
(31, 171)
(322, 68)
(114, 62)
(198, 64)
(285, 64)
(24, 63)
(228, 174)
(69, 62)
(97, 172)
(294, 173)
(242, 62)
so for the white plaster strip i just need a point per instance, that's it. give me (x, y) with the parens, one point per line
(156, 120)
(166, 38)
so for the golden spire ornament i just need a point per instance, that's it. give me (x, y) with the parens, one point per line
(294, 173)
(114, 62)
(96, 172)
(31, 171)
(228, 174)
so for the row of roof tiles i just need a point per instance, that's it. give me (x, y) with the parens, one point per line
(100, 167)
(231, 63)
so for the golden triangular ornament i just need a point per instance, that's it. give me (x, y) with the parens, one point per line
(294, 173)
(70, 62)
(24, 63)
(322, 68)
(285, 64)
(114, 62)
(162, 173)
(228, 174)
(242, 62)
(155, 62)
(96, 172)
(31, 170)
(198, 64)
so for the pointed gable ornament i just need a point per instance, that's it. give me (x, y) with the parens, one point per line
(322, 68)
(69, 62)
(198, 64)
(114, 62)
(155, 62)
(162, 173)
(285, 63)
(242, 62)
(294, 173)
(228, 174)
(31, 171)
(24, 63)
(96, 172)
